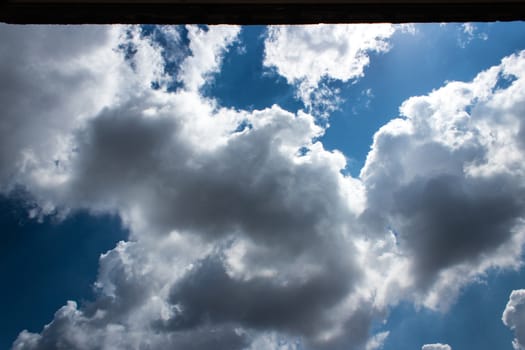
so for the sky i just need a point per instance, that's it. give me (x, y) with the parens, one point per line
(263, 188)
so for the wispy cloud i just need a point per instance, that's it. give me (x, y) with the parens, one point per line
(468, 33)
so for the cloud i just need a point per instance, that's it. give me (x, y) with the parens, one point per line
(278, 219)
(207, 46)
(305, 55)
(514, 317)
(37, 115)
(437, 346)
(470, 33)
(261, 303)
(54, 79)
(249, 202)
(72, 329)
(376, 342)
(446, 180)
(251, 198)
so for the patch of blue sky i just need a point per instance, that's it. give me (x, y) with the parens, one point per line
(244, 83)
(504, 81)
(473, 322)
(128, 49)
(44, 264)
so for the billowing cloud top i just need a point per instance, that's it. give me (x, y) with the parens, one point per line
(305, 55)
(244, 231)
(514, 317)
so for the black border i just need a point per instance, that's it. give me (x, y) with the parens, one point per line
(258, 12)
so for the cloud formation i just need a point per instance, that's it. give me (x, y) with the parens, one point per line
(514, 317)
(260, 207)
(251, 195)
(305, 55)
(446, 180)
(244, 231)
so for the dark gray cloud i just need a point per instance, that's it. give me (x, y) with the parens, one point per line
(292, 215)
(262, 303)
(118, 150)
(447, 219)
(248, 185)
(253, 189)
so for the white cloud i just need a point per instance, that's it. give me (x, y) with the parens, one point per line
(377, 341)
(437, 346)
(252, 190)
(55, 78)
(304, 55)
(44, 99)
(448, 178)
(192, 187)
(514, 317)
(207, 47)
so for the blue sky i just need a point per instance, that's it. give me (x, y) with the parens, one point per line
(222, 187)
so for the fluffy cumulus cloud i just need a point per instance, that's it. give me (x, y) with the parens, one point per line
(446, 180)
(236, 218)
(514, 317)
(437, 346)
(305, 55)
(244, 231)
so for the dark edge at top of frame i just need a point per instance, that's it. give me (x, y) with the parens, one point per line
(257, 11)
